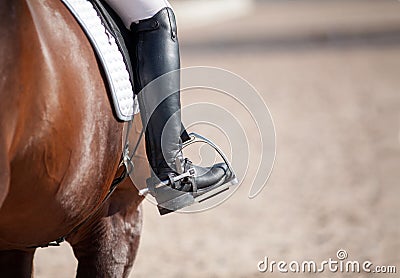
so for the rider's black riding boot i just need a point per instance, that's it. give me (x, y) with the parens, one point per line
(155, 52)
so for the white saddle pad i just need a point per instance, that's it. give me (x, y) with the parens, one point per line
(124, 101)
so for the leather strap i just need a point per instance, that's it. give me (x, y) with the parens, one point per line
(145, 25)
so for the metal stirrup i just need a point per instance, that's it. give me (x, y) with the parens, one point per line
(190, 173)
(197, 138)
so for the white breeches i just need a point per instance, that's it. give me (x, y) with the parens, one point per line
(135, 10)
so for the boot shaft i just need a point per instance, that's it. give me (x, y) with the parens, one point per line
(155, 53)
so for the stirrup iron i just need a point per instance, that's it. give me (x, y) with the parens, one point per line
(170, 199)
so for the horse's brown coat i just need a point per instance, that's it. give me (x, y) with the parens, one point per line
(60, 145)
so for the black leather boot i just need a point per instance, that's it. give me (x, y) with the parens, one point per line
(155, 52)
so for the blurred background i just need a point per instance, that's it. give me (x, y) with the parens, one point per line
(329, 72)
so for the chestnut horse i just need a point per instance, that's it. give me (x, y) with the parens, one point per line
(60, 147)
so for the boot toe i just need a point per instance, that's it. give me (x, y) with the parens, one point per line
(209, 176)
